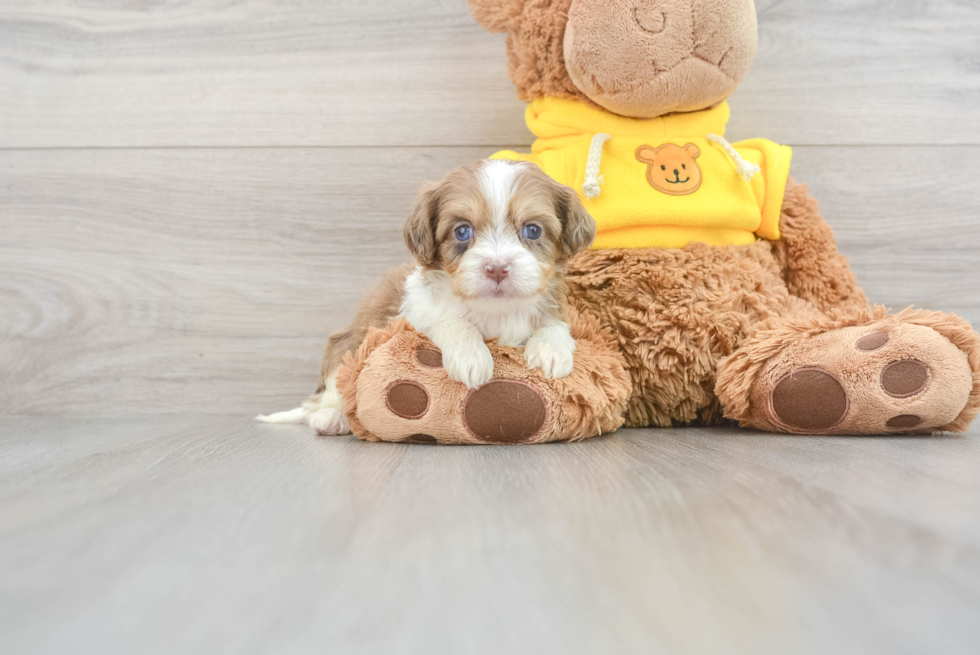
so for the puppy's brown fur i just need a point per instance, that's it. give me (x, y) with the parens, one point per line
(375, 311)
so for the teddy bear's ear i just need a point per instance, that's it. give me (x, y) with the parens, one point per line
(646, 154)
(497, 15)
(693, 150)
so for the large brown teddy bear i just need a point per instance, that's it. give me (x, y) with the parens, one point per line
(713, 270)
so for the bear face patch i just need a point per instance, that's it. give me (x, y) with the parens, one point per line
(672, 169)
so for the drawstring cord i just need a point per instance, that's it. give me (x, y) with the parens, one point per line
(746, 169)
(592, 178)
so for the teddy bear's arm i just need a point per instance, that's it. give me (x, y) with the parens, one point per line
(807, 253)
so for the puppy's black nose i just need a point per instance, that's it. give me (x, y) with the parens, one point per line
(677, 172)
(496, 271)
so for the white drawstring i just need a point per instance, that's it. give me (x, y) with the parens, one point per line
(744, 168)
(592, 178)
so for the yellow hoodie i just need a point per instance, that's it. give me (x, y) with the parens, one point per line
(664, 182)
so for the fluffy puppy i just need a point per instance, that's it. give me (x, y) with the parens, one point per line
(490, 243)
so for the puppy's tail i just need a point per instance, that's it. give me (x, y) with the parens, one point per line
(299, 414)
(329, 398)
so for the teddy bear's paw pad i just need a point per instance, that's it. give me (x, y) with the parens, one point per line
(420, 438)
(809, 399)
(504, 411)
(407, 399)
(904, 422)
(873, 341)
(429, 357)
(905, 378)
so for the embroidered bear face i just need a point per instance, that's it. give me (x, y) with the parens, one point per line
(671, 168)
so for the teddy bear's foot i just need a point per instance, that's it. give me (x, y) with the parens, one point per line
(413, 399)
(914, 372)
(397, 389)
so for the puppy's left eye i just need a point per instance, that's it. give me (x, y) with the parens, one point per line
(532, 231)
(463, 233)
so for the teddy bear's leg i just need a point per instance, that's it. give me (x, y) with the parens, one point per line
(676, 313)
(807, 254)
(867, 373)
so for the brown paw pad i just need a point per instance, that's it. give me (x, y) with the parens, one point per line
(904, 422)
(429, 357)
(872, 341)
(904, 378)
(504, 411)
(421, 438)
(809, 399)
(407, 399)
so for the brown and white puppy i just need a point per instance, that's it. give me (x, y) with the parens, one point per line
(490, 243)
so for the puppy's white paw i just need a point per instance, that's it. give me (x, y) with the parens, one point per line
(469, 362)
(330, 422)
(553, 353)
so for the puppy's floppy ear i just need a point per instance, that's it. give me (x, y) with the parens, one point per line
(497, 15)
(578, 228)
(420, 228)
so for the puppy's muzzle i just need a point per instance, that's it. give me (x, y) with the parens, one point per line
(497, 271)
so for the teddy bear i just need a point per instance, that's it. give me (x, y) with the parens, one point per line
(713, 277)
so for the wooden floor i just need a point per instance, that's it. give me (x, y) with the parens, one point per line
(216, 535)
(193, 194)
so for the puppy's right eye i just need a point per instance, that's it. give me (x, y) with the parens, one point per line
(463, 233)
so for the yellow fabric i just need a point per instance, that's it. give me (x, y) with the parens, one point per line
(633, 213)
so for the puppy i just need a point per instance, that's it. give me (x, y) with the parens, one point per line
(490, 243)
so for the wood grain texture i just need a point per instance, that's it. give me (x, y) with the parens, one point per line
(421, 72)
(147, 278)
(203, 535)
(864, 72)
(207, 280)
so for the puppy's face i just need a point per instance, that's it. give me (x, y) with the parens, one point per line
(501, 230)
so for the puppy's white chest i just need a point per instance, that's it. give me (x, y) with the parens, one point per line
(510, 329)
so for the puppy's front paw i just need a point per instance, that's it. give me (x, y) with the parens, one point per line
(553, 354)
(469, 362)
(330, 422)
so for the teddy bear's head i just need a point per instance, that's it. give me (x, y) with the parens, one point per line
(637, 58)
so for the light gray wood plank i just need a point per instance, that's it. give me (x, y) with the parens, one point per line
(203, 535)
(910, 228)
(208, 280)
(379, 72)
(416, 72)
(864, 72)
(156, 278)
